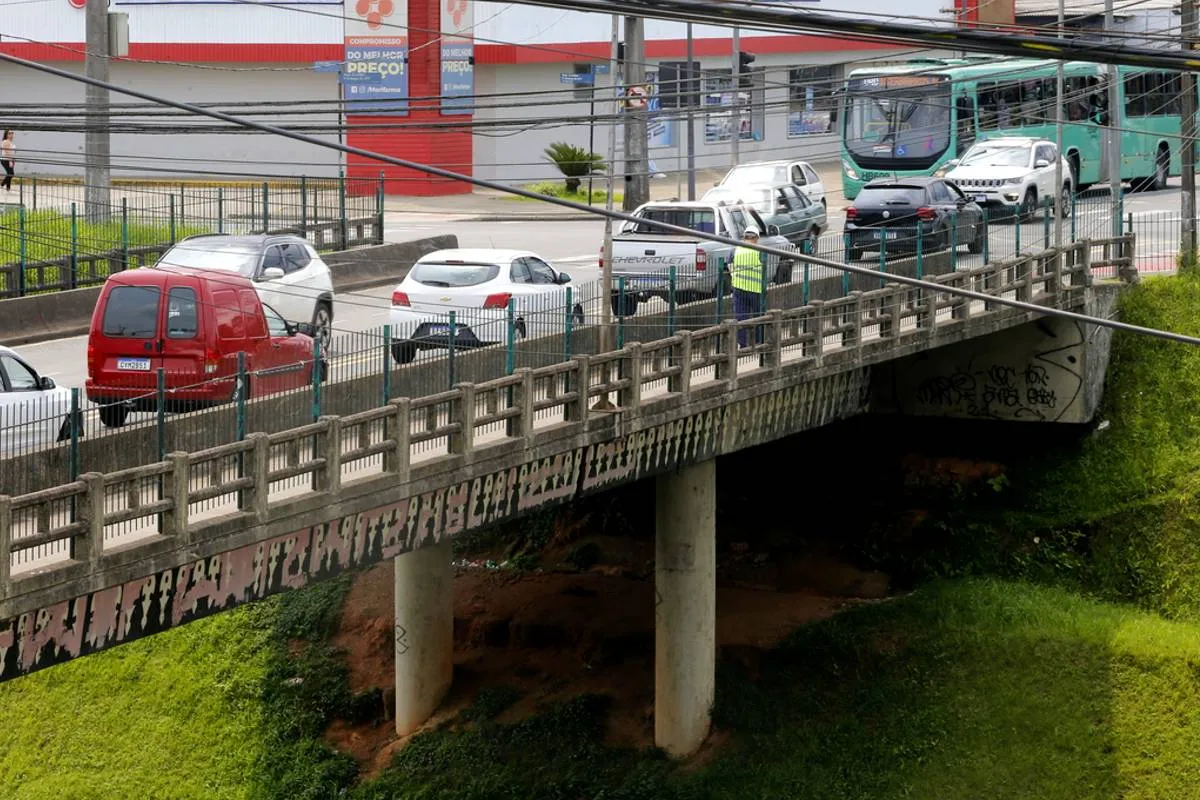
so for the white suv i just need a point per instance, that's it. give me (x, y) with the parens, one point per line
(288, 274)
(1014, 173)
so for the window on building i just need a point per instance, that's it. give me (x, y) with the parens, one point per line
(812, 99)
(675, 90)
(727, 110)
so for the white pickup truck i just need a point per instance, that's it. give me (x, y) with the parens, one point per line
(643, 254)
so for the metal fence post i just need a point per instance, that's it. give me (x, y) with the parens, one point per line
(379, 190)
(304, 206)
(762, 283)
(74, 278)
(883, 258)
(1129, 222)
(1046, 224)
(807, 249)
(124, 232)
(569, 324)
(23, 248)
(182, 207)
(671, 301)
(720, 291)
(76, 419)
(220, 209)
(242, 385)
(33, 191)
(161, 408)
(266, 208)
(510, 354)
(1017, 220)
(171, 224)
(621, 305)
(920, 250)
(954, 242)
(845, 260)
(387, 363)
(343, 225)
(316, 379)
(987, 239)
(1074, 211)
(451, 339)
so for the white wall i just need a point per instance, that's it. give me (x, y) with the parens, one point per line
(237, 153)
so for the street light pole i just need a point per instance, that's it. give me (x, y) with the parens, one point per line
(607, 339)
(1187, 149)
(736, 109)
(1114, 134)
(691, 115)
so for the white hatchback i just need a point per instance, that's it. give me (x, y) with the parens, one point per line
(288, 273)
(769, 174)
(34, 412)
(483, 290)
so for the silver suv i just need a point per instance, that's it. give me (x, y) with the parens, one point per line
(1014, 173)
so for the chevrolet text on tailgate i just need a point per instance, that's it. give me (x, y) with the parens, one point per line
(644, 255)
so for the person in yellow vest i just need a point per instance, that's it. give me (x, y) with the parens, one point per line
(749, 279)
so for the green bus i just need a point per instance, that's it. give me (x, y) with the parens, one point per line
(912, 118)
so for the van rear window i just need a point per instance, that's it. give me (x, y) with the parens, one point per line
(132, 311)
(182, 322)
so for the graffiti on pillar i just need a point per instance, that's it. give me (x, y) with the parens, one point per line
(984, 381)
(207, 585)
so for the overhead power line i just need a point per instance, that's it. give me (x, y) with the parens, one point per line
(612, 214)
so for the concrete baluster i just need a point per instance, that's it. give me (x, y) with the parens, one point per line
(5, 543)
(462, 441)
(396, 458)
(682, 383)
(772, 356)
(852, 333)
(175, 521)
(727, 370)
(328, 478)
(523, 400)
(256, 499)
(631, 370)
(88, 546)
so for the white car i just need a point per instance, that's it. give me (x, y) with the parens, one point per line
(768, 174)
(33, 411)
(288, 273)
(478, 285)
(1013, 173)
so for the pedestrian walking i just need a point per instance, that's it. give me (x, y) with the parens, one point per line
(8, 154)
(748, 276)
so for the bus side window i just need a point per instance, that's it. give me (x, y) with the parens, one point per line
(965, 108)
(1098, 100)
(987, 106)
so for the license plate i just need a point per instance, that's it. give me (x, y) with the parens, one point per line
(135, 364)
(885, 234)
(444, 330)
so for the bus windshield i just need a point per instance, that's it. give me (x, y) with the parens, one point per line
(906, 126)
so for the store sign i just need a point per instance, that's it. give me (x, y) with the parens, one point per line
(458, 56)
(82, 3)
(375, 76)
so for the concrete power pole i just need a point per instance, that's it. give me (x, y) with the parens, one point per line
(637, 160)
(1059, 205)
(96, 151)
(1113, 154)
(736, 110)
(1187, 147)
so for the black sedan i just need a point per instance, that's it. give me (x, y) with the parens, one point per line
(900, 215)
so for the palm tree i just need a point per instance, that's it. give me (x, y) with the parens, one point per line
(575, 163)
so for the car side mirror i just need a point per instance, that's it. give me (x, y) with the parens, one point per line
(46, 384)
(564, 278)
(302, 327)
(1041, 162)
(772, 230)
(272, 274)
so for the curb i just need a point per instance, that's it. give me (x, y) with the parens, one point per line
(532, 218)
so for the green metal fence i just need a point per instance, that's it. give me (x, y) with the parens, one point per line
(52, 240)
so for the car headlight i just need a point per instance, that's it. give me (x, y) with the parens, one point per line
(851, 172)
(1014, 181)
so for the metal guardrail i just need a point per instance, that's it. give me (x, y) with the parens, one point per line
(76, 524)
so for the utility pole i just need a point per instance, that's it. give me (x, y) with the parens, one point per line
(1187, 147)
(96, 151)
(637, 161)
(607, 340)
(1059, 204)
(736, 110)
(691, 99)
(1114, 134)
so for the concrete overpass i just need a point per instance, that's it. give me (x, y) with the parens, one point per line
(238, 522)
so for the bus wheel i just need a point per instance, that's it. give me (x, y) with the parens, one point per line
(1162, 169)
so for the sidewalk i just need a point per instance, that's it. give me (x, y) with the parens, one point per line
(487, 205)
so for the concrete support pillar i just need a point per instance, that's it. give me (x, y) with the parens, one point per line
(685, 612)
(424, 633)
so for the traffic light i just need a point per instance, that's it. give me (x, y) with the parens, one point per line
(744, 61)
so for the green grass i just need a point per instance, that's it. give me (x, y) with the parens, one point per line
(966, 689)
(47, 236)
(559, 189)
(171, 716)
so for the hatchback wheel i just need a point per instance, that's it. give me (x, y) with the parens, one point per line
(323, 325)
(1066, 202)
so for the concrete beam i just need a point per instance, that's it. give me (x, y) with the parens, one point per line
(424, 633)
(685, 611)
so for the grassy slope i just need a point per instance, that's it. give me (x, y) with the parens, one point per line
(967, 689)
(171, 716)
(48, 235)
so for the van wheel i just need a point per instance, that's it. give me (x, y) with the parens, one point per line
(323, 324)
(404, 352)
(113, 416)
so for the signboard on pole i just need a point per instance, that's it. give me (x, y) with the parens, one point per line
(458, 56)
(376, 45)
(577, 78)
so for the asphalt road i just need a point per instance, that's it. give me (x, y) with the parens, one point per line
(573, 246)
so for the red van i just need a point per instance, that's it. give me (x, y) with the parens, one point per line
(191, 324)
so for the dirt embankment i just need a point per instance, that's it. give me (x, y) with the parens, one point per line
(559, 631)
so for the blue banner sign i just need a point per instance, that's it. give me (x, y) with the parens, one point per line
(376, 78)
(458, 78)
(327, 66)
(586, 78)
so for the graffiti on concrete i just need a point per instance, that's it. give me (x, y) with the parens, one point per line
(171, 597)
(989, 383)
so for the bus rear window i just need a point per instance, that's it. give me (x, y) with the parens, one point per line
(132, 312)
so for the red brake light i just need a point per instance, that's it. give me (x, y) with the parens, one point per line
(399, 298)
(93, 359)
(212, 360)
(851, 213)
(497, 300)
(701, 260)
(925, 213)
